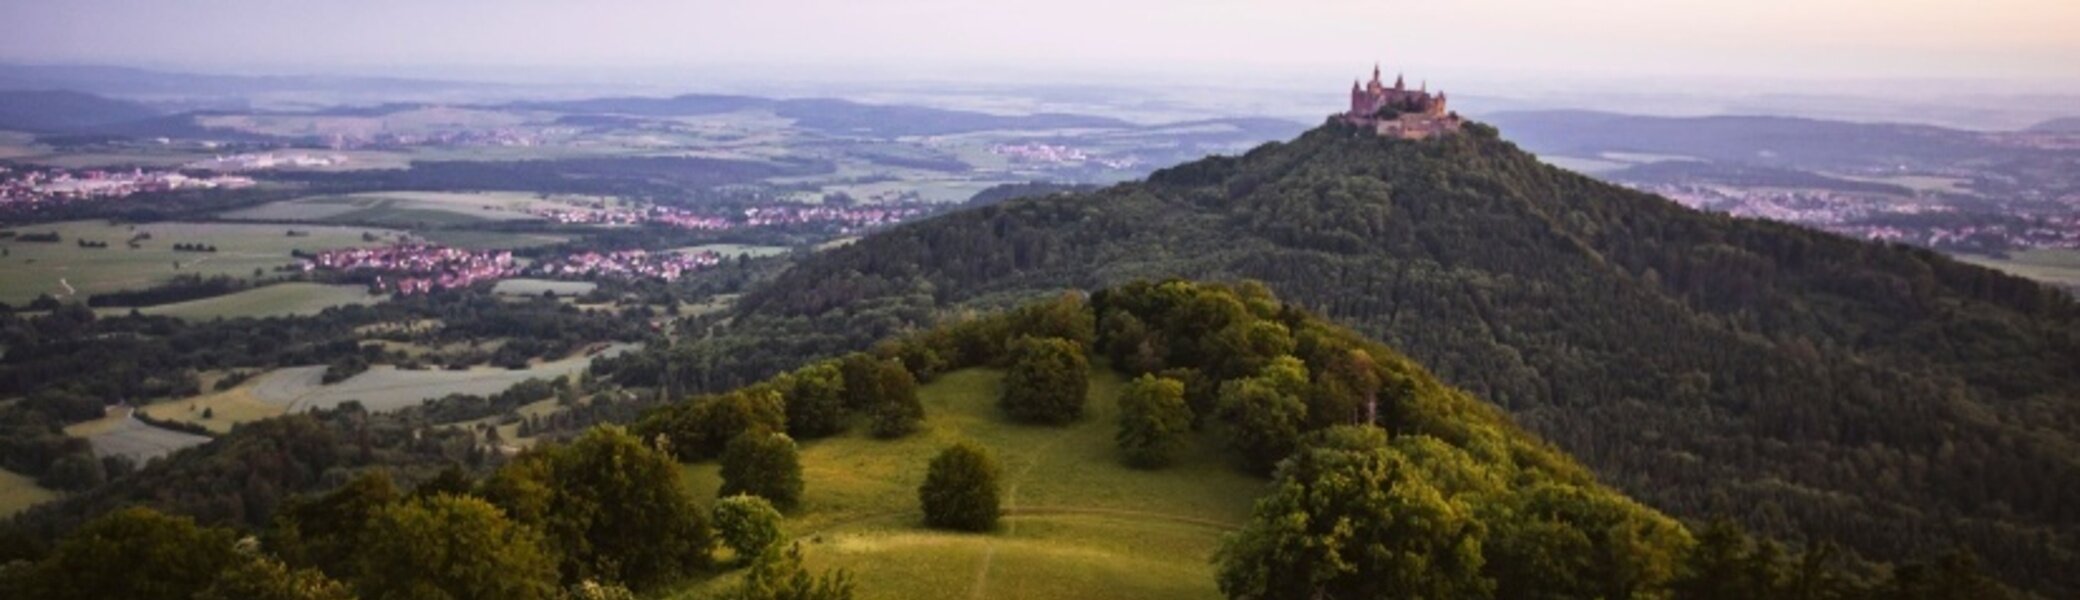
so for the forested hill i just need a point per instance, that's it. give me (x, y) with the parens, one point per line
(1889, 398)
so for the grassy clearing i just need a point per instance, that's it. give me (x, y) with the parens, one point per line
(1080, 524)
(63, 269)
(226, 408)
(18, 492)
(535, 287)
(278, 300)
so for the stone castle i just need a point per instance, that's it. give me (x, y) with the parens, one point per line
(1399, 112)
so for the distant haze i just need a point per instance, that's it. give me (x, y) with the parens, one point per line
(2003, 39)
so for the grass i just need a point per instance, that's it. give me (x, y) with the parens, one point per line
(119, 433)
(28, 269)
(226, 408)
(1079, 524)
(278, 300)
(18, 492)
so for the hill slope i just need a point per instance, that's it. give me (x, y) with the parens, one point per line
(62, 111)
(1889, 398)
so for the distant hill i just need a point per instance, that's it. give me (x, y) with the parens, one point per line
(832, 115)
(2059, 125)
(51, 111)
(1779, 141)
(1811, 386)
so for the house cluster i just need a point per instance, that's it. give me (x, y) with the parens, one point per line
(26, 190)
(262, 161)
(630, 264)
(1867, 216)
(1051, 154)
(848, 218)
(417, 268)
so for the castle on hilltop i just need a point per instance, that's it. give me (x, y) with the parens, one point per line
(1399, 112)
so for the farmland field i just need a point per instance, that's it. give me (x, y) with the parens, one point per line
(401, 209)
(732, 250)
(225, 409)
(278, 300)
(472, 239)
(1078, 523)
(2056, 267)
(63, 268)
(384, 388)
(19, 491)
(121, 433)
(535, 287)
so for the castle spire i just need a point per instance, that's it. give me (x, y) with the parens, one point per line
(1375, 71)
(1397, 82)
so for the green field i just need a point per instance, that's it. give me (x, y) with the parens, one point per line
(63, 269)
(18, 492)
(2053, 266)
(1079, 524)
(384, 387)
(225, 409)
(732, 250)
(472, 239)
(401, 209)
(535, 287)
(278, 300)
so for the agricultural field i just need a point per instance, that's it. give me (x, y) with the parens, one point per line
(279, 300)
(121, 433)
(223, 409)
(535, 287)
(473, 239)
(64, 269)
(1078, 523)
(401, 209)
(19, 491)
(2056, 267)
(732, 250)
(385, 388)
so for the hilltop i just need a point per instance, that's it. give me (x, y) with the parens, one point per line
(1708, 365)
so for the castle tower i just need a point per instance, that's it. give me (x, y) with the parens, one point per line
(1398, 85)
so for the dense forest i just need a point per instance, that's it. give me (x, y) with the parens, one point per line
(1889, 398)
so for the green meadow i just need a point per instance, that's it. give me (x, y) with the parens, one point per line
(278, 300)
(64, 269)
(1078, 524)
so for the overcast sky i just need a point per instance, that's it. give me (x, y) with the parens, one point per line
(2014, 40)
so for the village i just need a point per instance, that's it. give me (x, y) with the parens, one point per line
(25, 190)
(1874, 216)
(848, 219)
(415, 268)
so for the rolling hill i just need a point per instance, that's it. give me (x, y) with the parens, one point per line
(51, 111)
(1810, 386)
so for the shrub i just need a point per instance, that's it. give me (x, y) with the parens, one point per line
(747, 524)
(1153, 420)
(960, 490)
(763, 464)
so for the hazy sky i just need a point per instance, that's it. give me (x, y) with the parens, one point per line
(2035, 40)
